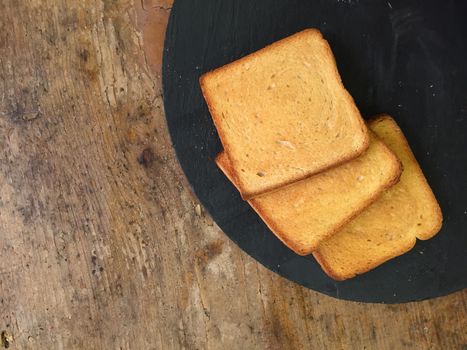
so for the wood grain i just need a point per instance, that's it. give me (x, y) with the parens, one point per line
(103, 245)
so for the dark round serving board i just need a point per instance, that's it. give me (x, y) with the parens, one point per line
(407, 58)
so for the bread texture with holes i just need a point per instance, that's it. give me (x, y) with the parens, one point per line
(283, 114)
(307, 212)
(391, 225)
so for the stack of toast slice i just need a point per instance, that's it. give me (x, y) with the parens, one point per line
(325, 182)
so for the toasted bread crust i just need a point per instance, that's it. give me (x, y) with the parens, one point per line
(245, 190)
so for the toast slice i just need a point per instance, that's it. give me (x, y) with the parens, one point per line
(282, 113)
(307, 212)
(391, 225)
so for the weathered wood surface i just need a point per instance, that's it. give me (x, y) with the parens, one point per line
(103, 246)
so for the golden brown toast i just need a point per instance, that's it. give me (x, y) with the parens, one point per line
(307, 212)
(282, 113)
(391, 225)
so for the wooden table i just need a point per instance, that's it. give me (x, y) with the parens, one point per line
(103, 245)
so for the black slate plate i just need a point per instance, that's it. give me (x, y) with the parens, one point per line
(407, 58)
